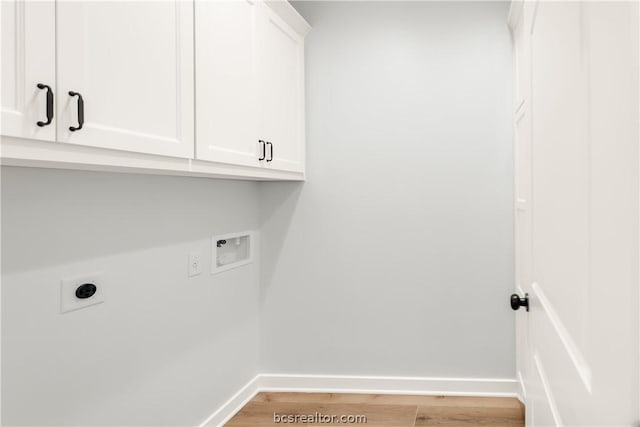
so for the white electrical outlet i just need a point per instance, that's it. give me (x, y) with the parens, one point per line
(81, 291)
(195, 264)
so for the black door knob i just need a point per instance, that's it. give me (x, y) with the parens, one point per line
(517, 302)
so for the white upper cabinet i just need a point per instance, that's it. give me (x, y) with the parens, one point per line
(28, 60)
(199, 88)
(250, 84)
(281, 72)
(226, 97)
(130, 65)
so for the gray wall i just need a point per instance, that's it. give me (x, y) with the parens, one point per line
(163, 349)
(396, 257)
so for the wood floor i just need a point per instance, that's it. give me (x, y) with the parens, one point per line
(381, 410)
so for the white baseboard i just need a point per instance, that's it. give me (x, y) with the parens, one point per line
(233, 405)
(388, 385)
(488, 387)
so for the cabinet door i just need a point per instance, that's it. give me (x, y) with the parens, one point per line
(281, 73)
(28, 59)
(132, 63)
(226, 99)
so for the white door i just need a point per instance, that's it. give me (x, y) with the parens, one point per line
(28, 69)
(522, 208)
(583, 319)
(131, 63)
(281, 71)
(226, 97)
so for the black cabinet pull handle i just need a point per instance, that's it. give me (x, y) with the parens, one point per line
(517, 302)
(49, 105)
(264, 150)
(80, 111)
(270, 151)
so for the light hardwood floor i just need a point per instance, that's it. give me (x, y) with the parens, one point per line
(383, 410)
